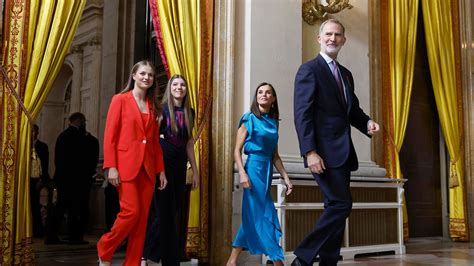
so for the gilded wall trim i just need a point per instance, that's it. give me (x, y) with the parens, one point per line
(375, 66)
(466, 8)
(313, 11)
(222, 133)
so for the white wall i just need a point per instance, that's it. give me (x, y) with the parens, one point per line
(268, 48)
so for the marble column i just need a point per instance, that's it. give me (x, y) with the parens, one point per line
(75, 57)
(222, 133)
(93, 66)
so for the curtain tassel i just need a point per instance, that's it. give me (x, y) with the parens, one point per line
(453, 176)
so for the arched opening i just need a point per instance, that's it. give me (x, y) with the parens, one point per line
(53, 116)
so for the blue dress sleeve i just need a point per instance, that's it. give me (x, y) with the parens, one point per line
(247, 121)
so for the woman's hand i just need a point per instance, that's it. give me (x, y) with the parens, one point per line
(195, 180)
(244, 180)
(163, 181)
(113, 177)
(289, 186)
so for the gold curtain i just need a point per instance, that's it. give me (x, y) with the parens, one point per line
(402, 23)
(38, 40)
(186, 28)
(440, 38)
(16, 245)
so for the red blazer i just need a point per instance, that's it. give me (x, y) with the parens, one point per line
(128, 143)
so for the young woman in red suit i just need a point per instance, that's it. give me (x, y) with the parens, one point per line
(133, 159)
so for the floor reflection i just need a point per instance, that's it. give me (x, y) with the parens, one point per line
(420, 251)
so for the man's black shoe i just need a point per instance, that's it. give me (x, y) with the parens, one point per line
(299, 262)
(54, 242)
(78, 242)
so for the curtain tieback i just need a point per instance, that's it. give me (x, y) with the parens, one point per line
(15, 94)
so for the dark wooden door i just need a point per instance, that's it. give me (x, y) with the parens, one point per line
(420, 154)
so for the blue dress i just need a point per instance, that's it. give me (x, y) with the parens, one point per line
(260, 230)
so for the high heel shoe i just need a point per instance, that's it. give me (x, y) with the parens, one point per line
(103, 263)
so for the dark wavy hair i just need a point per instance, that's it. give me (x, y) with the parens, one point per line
(152, 92)
(274, 111)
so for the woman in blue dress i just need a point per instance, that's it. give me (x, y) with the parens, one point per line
(260, 230)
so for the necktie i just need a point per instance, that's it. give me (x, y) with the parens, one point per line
(337, 76)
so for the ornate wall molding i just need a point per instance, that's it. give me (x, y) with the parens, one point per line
(95, 40)
(76, 49)
(312, 10)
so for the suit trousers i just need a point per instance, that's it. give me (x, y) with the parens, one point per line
(135, 198)
(326, 237)
(38, 229)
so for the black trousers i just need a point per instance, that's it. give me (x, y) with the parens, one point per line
(76, 205)
(169, 211)
(38, 228)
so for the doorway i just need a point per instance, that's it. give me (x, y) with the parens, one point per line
(420, 152)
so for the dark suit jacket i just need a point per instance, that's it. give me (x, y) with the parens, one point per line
(93, 155)
(322, 120)
(71, 159)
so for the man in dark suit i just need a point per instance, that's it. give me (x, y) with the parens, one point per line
(325, 107)
(75, 158)
(92, 159)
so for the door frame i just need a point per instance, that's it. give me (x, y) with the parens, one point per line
(444, 174)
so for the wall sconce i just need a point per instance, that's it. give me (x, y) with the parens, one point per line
(313, 11)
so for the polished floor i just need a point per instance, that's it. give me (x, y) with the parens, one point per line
(422, 251)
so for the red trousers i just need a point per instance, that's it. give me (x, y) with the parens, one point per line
(135, 198)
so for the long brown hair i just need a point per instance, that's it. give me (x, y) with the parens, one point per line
(151, 93)
(274, 111)
(168, 99)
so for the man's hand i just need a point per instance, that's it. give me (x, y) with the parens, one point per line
(372, 127)
(315, 162)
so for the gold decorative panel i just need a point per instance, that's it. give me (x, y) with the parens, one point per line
(298, 224)
(373, 227)
(374, 194)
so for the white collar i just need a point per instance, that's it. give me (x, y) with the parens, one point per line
(327, 58)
